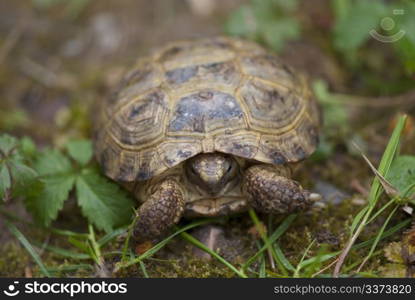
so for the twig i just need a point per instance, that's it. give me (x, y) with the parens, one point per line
(407, 98)
(325, 268)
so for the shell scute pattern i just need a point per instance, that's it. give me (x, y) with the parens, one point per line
(175, 151)
(269, 68)
(243, 145)
(139, 122)
(270, 106)
(143, 78)
(219, 73)
(217, 94)
(205, 111)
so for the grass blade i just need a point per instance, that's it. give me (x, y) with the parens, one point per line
(64, 253)
(202, 246)
(22, 239)
(143, 269)
(384, 235)
(357, 219)
(270, 248)
(276, 234)
(297, 270)
(70, 268)
(125, 247)
(69, 233)
(282, 258)
(376, 241)
(110, 236)
(161, 244)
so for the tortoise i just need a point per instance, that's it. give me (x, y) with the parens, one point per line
(208, 127)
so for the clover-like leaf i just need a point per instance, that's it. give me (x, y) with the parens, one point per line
(7, 144)
(80, 150)
(52, 162)
(47, 197)
(102, 202)
(5, 181)
(14, 170)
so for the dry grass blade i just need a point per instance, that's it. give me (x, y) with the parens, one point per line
(375, 191)
(387, 186)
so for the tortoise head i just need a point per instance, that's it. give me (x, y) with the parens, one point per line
(212, 172)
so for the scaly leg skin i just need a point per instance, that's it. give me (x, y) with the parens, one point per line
(163, 208)
(270, 191)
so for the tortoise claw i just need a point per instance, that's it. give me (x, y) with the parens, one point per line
(314, 197)
(271, 193)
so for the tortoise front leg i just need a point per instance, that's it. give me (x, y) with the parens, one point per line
(269, 190)
(163, 208)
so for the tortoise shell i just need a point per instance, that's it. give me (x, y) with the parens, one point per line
(215, 94)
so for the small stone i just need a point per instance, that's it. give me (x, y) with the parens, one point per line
(208, 235)
(330, 193)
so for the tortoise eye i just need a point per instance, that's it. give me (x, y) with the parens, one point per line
(193, 170)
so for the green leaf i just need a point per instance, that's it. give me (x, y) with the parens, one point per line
(5, 181)
(408, 22)
(352, 29)
(336, 121)
(103, 202)
(406, 52)
(22, 174)
(80, 150)
(7, 143)
(15, 174)
(46, 200)
(341, 8)
(265, 11)
(266, 21)
(52, 162)
(242, 22)
(277, 32)
(28, 146)
(402, 174)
